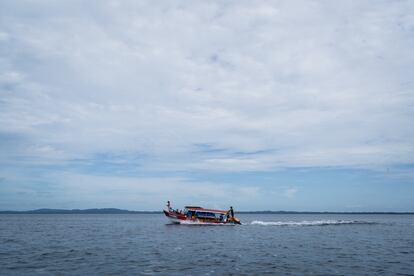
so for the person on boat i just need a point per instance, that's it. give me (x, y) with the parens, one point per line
(169, 206)
(231, 212)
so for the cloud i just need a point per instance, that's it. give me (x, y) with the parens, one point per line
(68, 189)
(331, 89)
(272, 85)
(290, 192)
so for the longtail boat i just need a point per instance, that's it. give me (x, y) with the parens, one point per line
(198, 216)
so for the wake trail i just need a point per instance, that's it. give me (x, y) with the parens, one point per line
(309, 223)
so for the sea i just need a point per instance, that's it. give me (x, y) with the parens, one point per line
(146, 244)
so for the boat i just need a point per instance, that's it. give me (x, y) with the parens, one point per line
(196, 215)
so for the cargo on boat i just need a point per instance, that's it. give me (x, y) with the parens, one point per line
(199, 215)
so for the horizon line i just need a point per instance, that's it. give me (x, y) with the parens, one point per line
(117, 210)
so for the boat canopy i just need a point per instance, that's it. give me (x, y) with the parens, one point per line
(200, 209)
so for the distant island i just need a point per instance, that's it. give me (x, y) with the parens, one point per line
(121, 211)
(80, 211)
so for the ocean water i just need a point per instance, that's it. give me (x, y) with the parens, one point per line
(264, 244)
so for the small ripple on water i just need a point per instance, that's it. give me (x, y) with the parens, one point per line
(142, 245)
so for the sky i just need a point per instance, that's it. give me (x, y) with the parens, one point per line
(262, 105)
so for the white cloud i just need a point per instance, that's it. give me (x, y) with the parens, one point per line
(4, 36)
(66, 189)
(307, 83)
(290, 192)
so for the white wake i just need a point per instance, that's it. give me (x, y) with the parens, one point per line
(308, 223)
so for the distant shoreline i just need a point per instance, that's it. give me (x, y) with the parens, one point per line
(120, 211)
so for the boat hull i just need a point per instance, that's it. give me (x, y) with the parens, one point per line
(178, 218)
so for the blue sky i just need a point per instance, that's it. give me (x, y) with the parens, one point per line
(264, 105)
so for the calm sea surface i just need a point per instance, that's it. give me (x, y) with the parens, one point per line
(265, 244)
